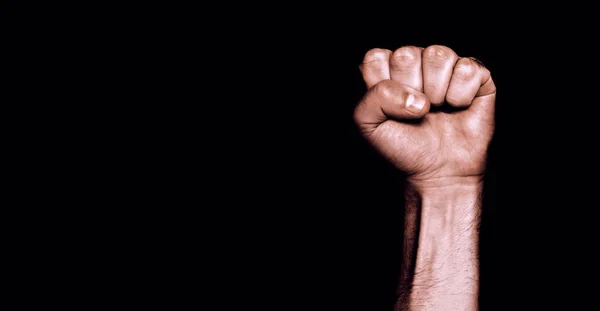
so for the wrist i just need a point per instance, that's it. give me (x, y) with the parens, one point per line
(445, 185)
(451, 203)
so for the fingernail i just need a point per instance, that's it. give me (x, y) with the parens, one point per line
(413, 104)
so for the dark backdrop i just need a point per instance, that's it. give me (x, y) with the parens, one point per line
(227, 141)
(211, 156)
(313, 215)
(341, 205)
(322, 212)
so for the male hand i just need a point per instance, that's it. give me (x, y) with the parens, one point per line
(429, 111)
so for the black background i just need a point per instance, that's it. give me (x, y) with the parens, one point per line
(338, 203)
(325, 212)
(227, 161)
(309, 217)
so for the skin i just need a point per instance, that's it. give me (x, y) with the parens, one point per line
(431, 114)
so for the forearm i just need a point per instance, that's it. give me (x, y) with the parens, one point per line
(412, 217)
(446, 265)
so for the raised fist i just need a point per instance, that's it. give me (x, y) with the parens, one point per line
(428, 111)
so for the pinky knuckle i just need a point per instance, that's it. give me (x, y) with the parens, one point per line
(477, 61)
(486, 74)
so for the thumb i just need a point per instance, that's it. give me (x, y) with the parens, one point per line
(390, 100)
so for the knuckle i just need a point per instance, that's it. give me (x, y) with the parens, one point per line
(406, 56)
(438, 52)
(465, 69)
(485, 72)
(477, 61)
(385, 89)
(376, 55)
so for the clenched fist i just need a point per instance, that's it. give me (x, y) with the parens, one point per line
(428, 111)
